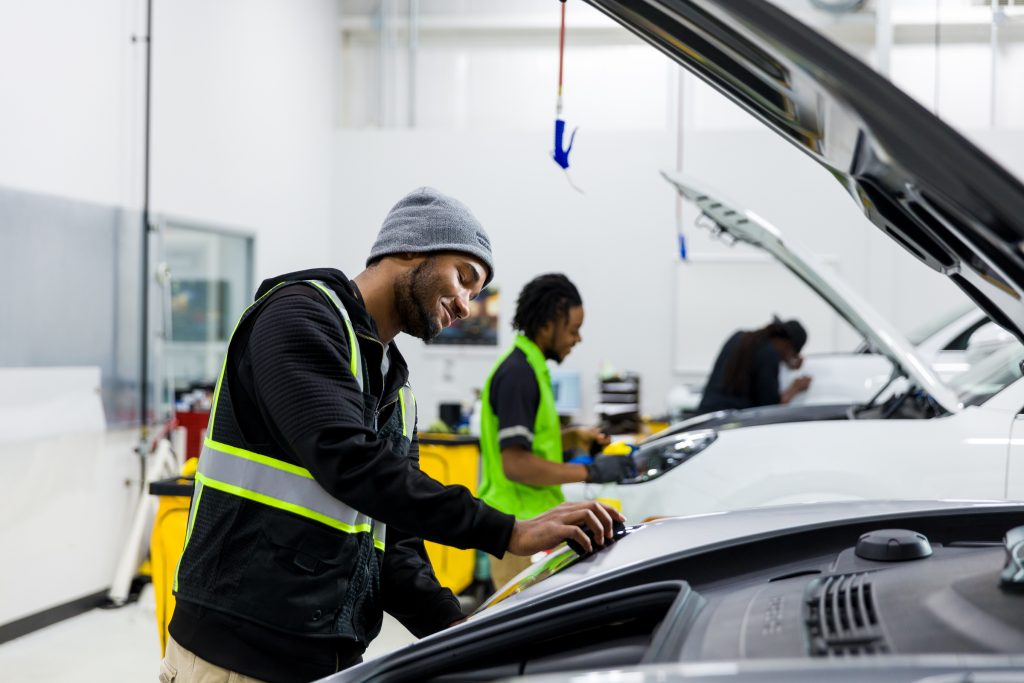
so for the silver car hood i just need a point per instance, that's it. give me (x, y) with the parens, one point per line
(910, 669)
(743, 225)
(698, 534)
(916, 179)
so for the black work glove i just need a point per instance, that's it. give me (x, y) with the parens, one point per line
(610, 468)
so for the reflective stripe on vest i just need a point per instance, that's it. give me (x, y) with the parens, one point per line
(355, 366)
(407, 402)
(280, 485)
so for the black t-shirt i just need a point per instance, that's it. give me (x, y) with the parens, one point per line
(763, 388)
(514, 398)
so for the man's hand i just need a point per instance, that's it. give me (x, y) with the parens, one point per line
(610, 468)
(797, 386)
(581, 438)
(545, 531)
(800, 384)
(590, 435)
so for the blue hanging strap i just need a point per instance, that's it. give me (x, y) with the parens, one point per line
(561, 155)
(561, 151)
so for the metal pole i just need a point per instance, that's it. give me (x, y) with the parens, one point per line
(883, 37)
(997, 15)
(381, 57)
(144, 346)
(938, 49)
(414, 40)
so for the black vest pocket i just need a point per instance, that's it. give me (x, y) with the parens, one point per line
(299, 574)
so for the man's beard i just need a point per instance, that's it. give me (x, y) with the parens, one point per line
(551, 354)
(416, 301)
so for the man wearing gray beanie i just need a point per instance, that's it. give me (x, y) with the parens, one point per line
(310, 507)
(426, 221)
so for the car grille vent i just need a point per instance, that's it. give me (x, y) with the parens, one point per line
(842, 619)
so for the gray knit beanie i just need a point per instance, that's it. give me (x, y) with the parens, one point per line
(426, 220)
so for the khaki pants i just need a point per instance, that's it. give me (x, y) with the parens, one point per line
(505, 569)
(181, 666)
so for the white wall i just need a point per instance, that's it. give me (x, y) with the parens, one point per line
(69, 75)
(244, 94)
(69, 127)
(616, 242)
(243, 105)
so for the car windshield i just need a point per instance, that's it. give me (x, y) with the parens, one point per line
(923, 332)
(989, 376)
(553, 563)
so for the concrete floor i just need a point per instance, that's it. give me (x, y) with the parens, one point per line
(110, 646)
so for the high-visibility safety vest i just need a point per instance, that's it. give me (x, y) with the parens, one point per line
(522, 500)
(293, 557)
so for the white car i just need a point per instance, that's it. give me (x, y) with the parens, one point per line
(961, 441)
(858, 375)
(943, 340)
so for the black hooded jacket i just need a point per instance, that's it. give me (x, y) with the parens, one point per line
(292, 400)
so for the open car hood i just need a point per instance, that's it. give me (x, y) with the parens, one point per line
(746, 226)
(916, 179)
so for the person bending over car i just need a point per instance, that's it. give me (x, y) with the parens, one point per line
(746, 372)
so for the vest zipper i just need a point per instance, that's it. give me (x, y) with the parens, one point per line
(380, 408)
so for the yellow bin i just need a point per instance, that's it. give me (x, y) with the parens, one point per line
(451, 459)
(167, 542)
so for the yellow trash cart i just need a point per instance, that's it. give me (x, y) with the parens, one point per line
(451, 459)
(167, 542)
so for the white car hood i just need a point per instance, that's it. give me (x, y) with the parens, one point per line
(746, 226)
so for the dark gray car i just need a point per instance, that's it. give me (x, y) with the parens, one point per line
(884, 591)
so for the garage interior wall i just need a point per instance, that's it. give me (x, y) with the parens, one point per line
(292, 121)
(243, 111)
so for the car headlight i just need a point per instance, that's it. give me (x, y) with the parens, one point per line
(657, 457)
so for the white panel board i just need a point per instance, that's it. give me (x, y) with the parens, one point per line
(41, 403)
(69, 493)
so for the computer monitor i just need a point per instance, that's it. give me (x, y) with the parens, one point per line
(565, 385)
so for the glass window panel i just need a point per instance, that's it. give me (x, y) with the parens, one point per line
(210, 284)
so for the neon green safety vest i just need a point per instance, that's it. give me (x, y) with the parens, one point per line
(522, 500)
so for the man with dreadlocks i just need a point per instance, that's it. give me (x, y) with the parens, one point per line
(746, 372)
(520, 431)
